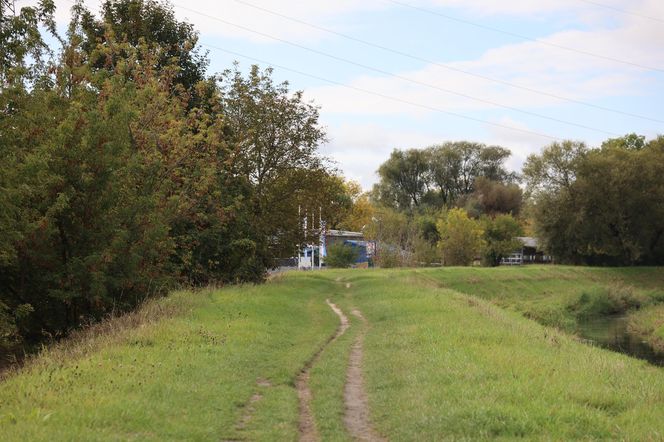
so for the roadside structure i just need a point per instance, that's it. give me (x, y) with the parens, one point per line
(529, 253)
(313, 256)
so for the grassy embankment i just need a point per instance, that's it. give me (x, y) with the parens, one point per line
(443, 363)
(648, 324)
(559, 296)
(188, 376)
(437, 363)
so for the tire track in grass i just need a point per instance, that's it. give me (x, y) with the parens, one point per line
(307, 426)
(357, 413)
(250, 406)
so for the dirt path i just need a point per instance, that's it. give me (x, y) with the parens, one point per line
(308, 432)
(357, 406)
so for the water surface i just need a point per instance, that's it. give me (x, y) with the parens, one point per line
(610, 332)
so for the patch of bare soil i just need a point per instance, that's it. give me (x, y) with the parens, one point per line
(357, 418)
(308, 430)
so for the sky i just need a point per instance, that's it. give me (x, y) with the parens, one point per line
(404, 74)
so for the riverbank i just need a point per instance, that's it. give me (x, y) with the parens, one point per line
(566, 297)
(648, 324)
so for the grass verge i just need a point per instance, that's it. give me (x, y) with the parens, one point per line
(440, 364)
(189, 376)
(557, 296)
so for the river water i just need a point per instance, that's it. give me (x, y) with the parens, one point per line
(611, 332)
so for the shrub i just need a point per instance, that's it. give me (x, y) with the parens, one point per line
(341, 256)
(460, 238)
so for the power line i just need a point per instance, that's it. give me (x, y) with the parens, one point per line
(622, 11)
(387, 97)
(400, 77)
(525, 37)
(445, 66)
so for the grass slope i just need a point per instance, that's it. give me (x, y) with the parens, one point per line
(184, 378)
(557, 295)
(440, 363)
(648, 324)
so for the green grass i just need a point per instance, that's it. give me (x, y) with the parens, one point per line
(557, 296)
(187, 377)
(448, 355)
(648, 324)
(328, 376)
(443, 364)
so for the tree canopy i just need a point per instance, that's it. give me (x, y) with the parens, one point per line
(600, 206)
(439, 176)
(127, 169)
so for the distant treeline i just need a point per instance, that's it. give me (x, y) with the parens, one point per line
(127, 169)
(454, 202)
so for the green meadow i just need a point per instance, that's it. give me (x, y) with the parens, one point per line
(448, 354)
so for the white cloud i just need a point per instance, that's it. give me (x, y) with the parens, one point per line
(360, 149)
(521, 144)
(542, 67)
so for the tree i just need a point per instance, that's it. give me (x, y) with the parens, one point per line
(116, 185)
(600, 206)
(440, 175)
(630, 141)
(403, 179)
(460, 238)
(500, 238)
(275, 136)
(492, 198)
(555, 168)
(362, 209)
(140, 22)
(396, 235)
(22, 46)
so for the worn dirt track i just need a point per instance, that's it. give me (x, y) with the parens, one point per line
(356, 417)
(308, 432)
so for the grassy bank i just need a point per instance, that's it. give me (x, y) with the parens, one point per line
(189, 376)
(443, 363)
(648, 324)
(439, 362)
(558, 296)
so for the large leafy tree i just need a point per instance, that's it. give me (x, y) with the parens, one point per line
(23, 50)
(403, 179)
(146, 22)
(492, 198)
(439, 176)
(361, 212)
(275, 135)
(500, 238)
(99, 186)
(600, 206)
(121, 175)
